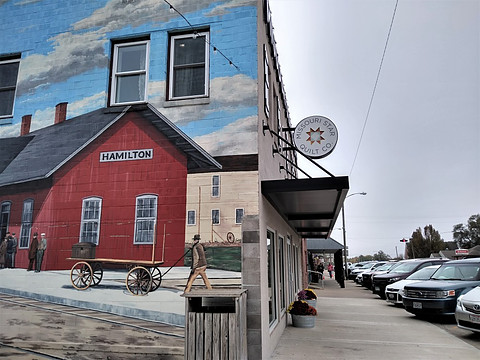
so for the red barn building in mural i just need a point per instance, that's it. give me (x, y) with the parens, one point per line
(113, 177)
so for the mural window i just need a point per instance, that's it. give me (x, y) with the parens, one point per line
(191, 215)
(145, 219)
(189, 65)
(272, 278)
(129, 72)
(90, 226)
(216, 217)
(5, 217)
(8, 84)
(216, 185)
(26, 227)
(239, 216)
(266, 77)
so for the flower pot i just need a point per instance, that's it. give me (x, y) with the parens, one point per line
(303, 321)
(312, 302)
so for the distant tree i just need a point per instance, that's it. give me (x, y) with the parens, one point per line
(468, 236)
(365, 258)
(381, 256)
(422, 245)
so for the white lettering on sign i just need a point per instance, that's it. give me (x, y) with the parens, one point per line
(125, 155)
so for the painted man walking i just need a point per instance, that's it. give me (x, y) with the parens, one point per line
(199, 264)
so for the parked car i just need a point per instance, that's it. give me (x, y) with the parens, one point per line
(354, 266)
(467, 312)
(359, 278)
(353, 274)
(400, 272)
(439, 294)
(394, 292)
(368, 275)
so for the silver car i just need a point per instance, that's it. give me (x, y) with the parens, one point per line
(467, 312)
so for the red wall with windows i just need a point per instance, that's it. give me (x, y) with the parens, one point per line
(58, 210)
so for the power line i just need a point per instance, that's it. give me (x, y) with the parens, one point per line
(374, 88)
(215, 49)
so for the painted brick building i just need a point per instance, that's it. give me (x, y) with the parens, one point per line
(208, 69)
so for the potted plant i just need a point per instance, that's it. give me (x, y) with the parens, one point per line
(309, 296)
(303, 315)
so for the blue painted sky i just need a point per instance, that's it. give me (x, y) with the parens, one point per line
(66, 50)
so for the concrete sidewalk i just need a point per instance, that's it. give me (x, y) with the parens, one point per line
(164, 304)
(354, 324)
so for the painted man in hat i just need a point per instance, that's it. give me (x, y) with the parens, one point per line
(199, 264)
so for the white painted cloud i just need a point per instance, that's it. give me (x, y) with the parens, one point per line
(237, 138)
(46, 117)
(225, 93)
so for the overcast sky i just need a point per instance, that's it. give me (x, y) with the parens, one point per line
(419, 157)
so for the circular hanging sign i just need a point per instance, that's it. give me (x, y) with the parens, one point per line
(315, 136)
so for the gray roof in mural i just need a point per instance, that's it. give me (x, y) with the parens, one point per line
(40, 153)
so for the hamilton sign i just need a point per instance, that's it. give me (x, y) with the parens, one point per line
(315, 136)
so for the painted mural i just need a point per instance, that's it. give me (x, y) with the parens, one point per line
(65, 49)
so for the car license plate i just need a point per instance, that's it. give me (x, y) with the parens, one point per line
(377, 288)
(475, 319)
(417, 305)
(391, 296)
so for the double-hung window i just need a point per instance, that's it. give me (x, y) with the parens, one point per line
(191, 217)
(5, 217)
(215, 185)
(215, 217)
(90, 227)
(189, 65)
(239, 216)
(26, 228)
(145, 219)
(129, 73)
(8, 84)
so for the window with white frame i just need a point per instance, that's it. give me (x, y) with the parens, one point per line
(216, 217)
(5, 217)
(26, 227)
(129, 72)
(189, 65)
(266, 77)
(191, 217)
(239, 216)
(145, 219)
(90, 226)
(8, 84)
(216, 185)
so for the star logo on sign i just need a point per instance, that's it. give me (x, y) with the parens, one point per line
(315, 135)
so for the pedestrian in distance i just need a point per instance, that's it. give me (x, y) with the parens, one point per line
(42, 246)
(32, 252)
(15, 244)
(3, 252)
(199, 264)
(330, 269)
(9, 253)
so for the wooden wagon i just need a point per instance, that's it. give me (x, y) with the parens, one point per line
(143, 275)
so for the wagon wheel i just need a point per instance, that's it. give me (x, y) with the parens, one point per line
(97, 273)
(139, 281)
(156, 278)
(81, 275)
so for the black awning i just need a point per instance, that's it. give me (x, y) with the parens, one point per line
(310, 206)
(328, 246)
